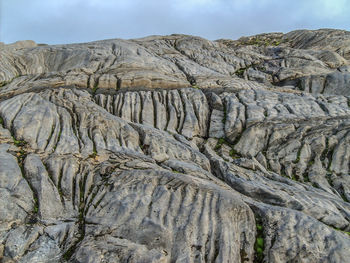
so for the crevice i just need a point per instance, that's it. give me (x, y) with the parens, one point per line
(91, 195)
(65, 238)
(119, 83)
(191, 80)
(114, 53)
(246, 117)
(53, 127)
(20, 159)
(88, 82)
(59, 133)
(81, 220)
(76, 126)
(323, 86)
(11, 126)
(217, 225)
(59, 185)
(4, 83)
(154, 110)
(94, 149)
(179, 110)
(167, 109)
(259, 245)
(184, 110)
(95, 87)
(74, 187)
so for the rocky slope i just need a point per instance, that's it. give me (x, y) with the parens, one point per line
(176, 149)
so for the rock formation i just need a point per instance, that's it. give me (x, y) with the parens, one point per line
(176, 149)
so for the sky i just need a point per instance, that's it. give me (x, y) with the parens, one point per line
(75, 21)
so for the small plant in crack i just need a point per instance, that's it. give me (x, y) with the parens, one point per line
(240, 72)
(94, 89)
(342, 194)
(259, 246)
(19, 143)
(144, 147)
(294, 177)
(315, 185)
(244, 256)
(298, 156)
(338, 229)
(93, 155)
(266, 113)
(329, 179)
(306, 178)
(36, 209)
(225, 115)
(275, 43)
(36, 205)
(310, 163)
(21, 155)
(234, 154)
(58, 139)
(94, 151)
(219, 144)
(299, 85)
(4, 83)
(259, 242)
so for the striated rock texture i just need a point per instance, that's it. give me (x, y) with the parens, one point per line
(176, 149)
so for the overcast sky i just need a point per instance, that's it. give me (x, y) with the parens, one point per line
(70, 21)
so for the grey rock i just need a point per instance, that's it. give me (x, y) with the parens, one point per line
(16, 196)
(176, 149)
(44, 249)
(48, 197)
(19, 240)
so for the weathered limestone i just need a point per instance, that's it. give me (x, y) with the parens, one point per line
(176, 149)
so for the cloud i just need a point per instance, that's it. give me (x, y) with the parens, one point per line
(332, 9)
(66, 21)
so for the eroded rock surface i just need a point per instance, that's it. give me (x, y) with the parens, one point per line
(176, 149)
